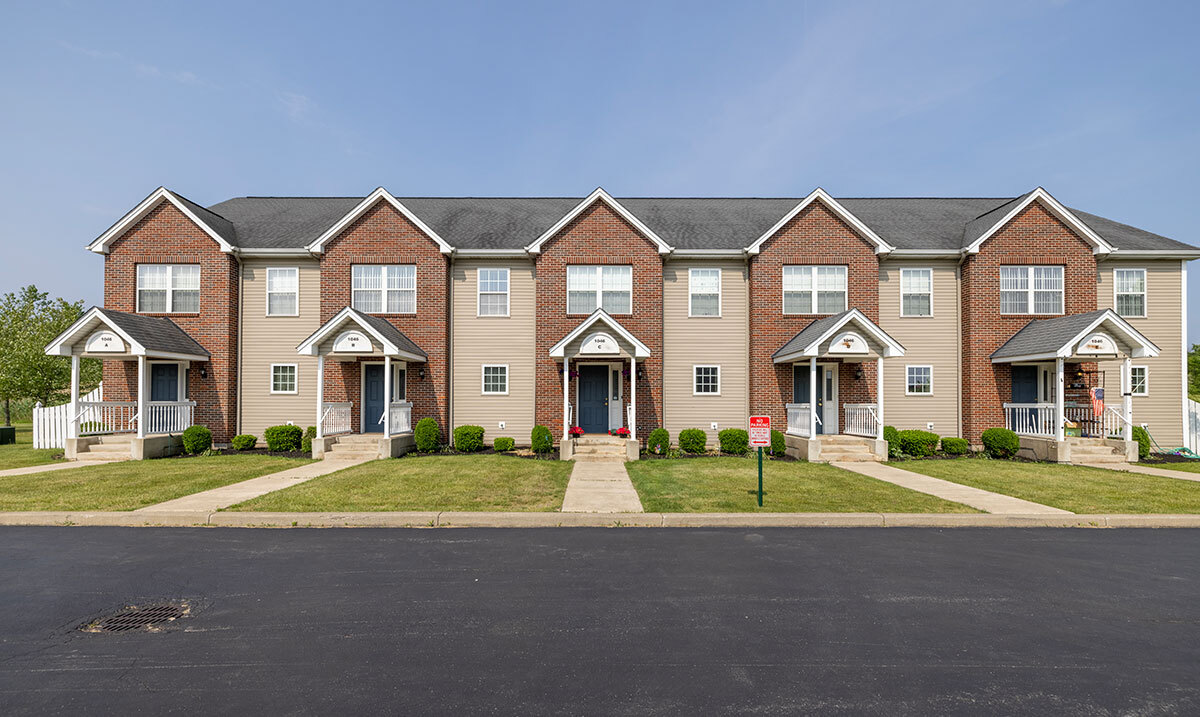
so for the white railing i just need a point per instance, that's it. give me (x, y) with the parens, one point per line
(797, 419)
(861, 420)
(335, 419)
(1030, 419)
(629, 419)
(1106, 425)
(169, 416)
(101, 417)
(51, 423)
(401, 421)
(570, 415)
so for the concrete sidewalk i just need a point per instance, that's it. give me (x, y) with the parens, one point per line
(599, 486)
(47, 467)
(947, 490)
(1147, 470)
(218, 498)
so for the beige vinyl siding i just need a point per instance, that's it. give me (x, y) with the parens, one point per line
(1162, 410)
(479, 340)
(928, 341)
(270, 340)
(691, 341)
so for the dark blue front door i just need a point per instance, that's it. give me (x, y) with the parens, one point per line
(164, 382)
(593, 399)
(800, 391)
(372, 397)
(1024, 384)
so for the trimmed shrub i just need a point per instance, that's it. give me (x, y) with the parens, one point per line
(692, 440)
(306, 443)
(196, 439)
(244, 442)
(956, 446)
(659, 441)
(918, 443)
(468, 439)
(1143, 440)
(892, 436)
(778, 443)
(427, 435)
(1000, 442)
(734, 440)
(283, 438)
(503, 444)
(540, 440)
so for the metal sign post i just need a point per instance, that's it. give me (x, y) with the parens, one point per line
(760, 436)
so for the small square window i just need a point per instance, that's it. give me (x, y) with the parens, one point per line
(283, 378)
(1140, 378)
(706, 380)
(918, 381)
(495, 380)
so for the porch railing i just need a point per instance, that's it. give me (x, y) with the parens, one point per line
(96, 418)
(1030, 419)
(335, 418)
(629, 418)
(169, 416)
(797, 419)
(401, 421)
(861, 420)
(1106, 425)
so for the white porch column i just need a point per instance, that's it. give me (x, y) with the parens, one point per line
(387, 397)
(73, 424)
(141, 397)
(812, 397)
(566, 397)
(879, 397)
(1127, 397)
(1059, 398)
(320, 394)
(633, 396)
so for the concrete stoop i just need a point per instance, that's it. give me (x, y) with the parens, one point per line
(598, 448)
(99, 449)
(362, 446)
(1078, 450)
(837, 448)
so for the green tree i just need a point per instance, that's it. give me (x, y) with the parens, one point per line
(30, 319)
(1194, 372)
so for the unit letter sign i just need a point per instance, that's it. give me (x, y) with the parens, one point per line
(104, 342)
(1097, 344)
(351, 342)
(760, 431)
(599, 343)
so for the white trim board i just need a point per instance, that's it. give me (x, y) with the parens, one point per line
(599, 195)
(317, 246)
(640, 350)
(1099, 245)
(881, 246)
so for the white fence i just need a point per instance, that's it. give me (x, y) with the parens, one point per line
(861, 420)
(797, 419)
(50, 422)
(335, 419)
(401, 421)
(1192, 433)
(1030, 419)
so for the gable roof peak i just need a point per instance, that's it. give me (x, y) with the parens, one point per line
(983, 227)
(317, 246)
(599, 195)
(220, 229)
(819, 194)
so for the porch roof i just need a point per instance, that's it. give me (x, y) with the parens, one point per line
(1061, 337)
(808, 342)
(392, 339)
(151, 336)
(600, 316)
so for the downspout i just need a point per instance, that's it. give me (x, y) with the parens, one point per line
(959, 344)
(241, 309)
(450, 345)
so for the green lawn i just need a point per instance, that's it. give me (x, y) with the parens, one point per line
(487, 482)
(22, 453)
(1078, 489)
(727, 485)
(1190, 467)
(132, 484)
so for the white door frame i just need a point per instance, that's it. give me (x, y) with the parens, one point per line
(611, 367)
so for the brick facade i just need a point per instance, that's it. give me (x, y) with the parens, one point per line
(382, 235)
(598, 236)
(166, 236)
(814, 236)
(1033, 237)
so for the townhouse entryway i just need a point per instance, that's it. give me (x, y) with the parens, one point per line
(593, 398)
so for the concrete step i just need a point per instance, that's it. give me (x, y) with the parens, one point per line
(108, 448)
(586, 448)
(100, 457)
(1098, 458)
(116, 439)
(598, 459)
(358, 439)
(847, 456)
(345, 455)
(599, 441)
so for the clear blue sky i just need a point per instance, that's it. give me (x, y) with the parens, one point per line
(104, 102)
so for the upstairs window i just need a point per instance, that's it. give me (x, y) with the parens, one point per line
(168, 288)
(814, 289)
(605, 287)
(384, 289)
(1031, 289)
(283, 291)
(916, 292)
(1130, 288)
(704, 292)
(493, 292)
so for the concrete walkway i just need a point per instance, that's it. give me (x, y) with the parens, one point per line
(217, 498)
(1148, 470)
(598, 486)
(946, 490)
(63, 465)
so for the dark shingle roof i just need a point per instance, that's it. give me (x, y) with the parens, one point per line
(948, 224)
(219, 224)
(155, 333)
(389, 332)
(1046, 336)
(809, 334)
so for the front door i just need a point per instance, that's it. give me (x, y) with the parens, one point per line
(164, 386)
(800, 388)
(593, 399)
(372, 397)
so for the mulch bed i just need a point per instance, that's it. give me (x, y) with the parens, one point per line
(684, 456)
(251, 452)
(1167, 458)
(515, 453)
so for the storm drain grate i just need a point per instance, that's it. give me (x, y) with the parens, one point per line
(136, 618)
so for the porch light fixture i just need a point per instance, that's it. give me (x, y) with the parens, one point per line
(858, 373)
(203, 372)
(421, 373)
(641, 373)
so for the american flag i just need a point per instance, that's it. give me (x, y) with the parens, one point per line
(1097, 395)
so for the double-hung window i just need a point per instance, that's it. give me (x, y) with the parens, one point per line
(706, 380)
(495, 379)
(916, 292)
(704, 292)
(1031, 289)
(1130, 288)
(384, 289)
(607, 287)
(168, 288)
(493, 292)
(918, 380)
(283, 291)
(283, 378)
(814, 289)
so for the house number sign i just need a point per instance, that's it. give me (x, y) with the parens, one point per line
(103, 342)
(351, 342)
(599, 343)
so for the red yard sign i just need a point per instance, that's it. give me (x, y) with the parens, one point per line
(760, 431)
